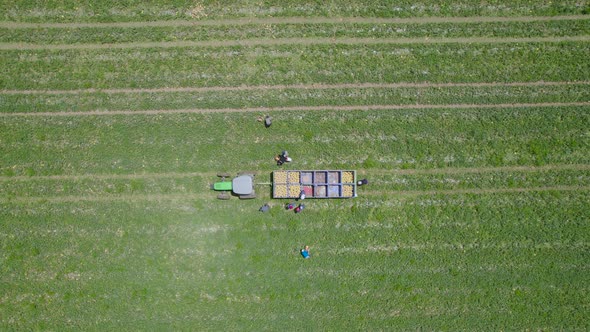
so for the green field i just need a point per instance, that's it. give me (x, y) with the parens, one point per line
(470, 119)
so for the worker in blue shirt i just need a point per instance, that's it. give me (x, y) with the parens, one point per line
(305, 252)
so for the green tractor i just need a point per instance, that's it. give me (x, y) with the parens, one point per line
(241, 186)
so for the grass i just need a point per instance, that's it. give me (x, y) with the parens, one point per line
(423, 260)
(102, 35)
(252, 97)
(206, 142)
(134, 10)
(174, 185)
(475, 218)
(234, 66)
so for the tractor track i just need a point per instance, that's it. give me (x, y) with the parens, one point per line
(291, 20)
(298, 108)
(210, 196)
(472, 170)
(173, 175)
(293, 41)
(319, 86)
(476, 191)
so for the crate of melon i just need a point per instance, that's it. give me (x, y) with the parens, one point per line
(314, 183)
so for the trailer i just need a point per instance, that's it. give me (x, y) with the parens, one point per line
(315, 184)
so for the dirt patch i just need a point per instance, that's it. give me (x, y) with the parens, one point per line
(198, 11)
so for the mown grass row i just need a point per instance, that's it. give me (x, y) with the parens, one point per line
(285, 97)
(166, 186)
(79, 265)
(293, 64)
(102, 35)
(323, 139)
(134, 10)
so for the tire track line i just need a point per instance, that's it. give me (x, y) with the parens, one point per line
(174, 175)
(574, 167)
(477, 191)
(298, 87)
(298, 108)
(110, 198)
(210, 196)
(293, 41)
(427, 246)
(293, 20)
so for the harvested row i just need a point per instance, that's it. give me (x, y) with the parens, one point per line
(296, 41)
(406, 138)
(63, 34)
(296, 96)
(325, 108)
(13, 25)
(185, 196)
(374, 210)
(312, 86)
(198, 184)
(364, 172)
(292, 10)
(293, 64)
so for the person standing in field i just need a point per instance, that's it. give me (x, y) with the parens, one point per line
(283, 158)
(362, 182)
(267, 120)
(299, 208)
(305, 252)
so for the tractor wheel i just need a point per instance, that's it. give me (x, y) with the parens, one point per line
(223, 196)
(252, 195)
(223, 175)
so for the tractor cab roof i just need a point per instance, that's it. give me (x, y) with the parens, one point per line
(242, 185)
